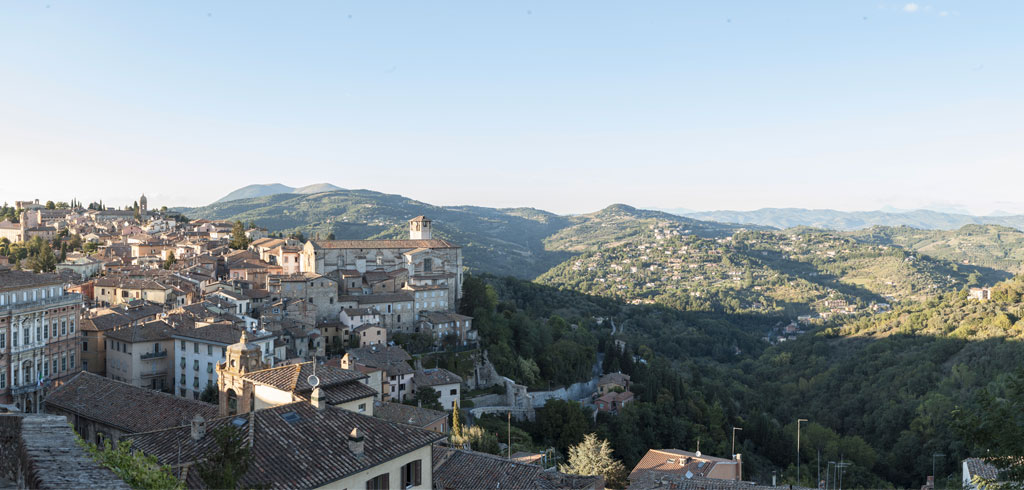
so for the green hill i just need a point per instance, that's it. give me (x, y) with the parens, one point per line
(993, 246)
(523, 242)
(795, 272)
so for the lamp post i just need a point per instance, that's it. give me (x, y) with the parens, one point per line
(734, 429)
(828, 472)
(934, 479)
(798, 449)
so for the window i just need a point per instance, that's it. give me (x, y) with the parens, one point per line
(183, 363)
(54, 327)
(195, 347)
(209, 350)
(195, 365)
(3, 380)
(428, 265)
(39, 333)
(3, 340)
(362, 407)
(183, 345)
(63, 363)
(54, 364)
(378, 483)
(71, 324)
(454, 391)
(182, 382)
(209, 367)
(85, 346)
(411, 474)
(71, 361)
(63, 326)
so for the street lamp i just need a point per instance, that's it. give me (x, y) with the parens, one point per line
(734, 429)
(798, 449)
(933, 467)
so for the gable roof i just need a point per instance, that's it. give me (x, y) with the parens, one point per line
(401, 413)
(435, 377)
(293, 378)
(309, 452)
(676, 461)
(456, 469)
(126, 407)
(147, 332)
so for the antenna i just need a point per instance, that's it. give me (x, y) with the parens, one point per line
(312, 379)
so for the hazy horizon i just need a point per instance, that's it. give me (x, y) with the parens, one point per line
(852, 106)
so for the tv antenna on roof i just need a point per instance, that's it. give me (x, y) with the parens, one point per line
(312, 379)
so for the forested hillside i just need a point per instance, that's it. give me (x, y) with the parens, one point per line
(880, 392)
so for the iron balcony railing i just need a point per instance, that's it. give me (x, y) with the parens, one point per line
(154, 355)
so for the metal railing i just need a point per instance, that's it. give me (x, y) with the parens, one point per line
(154, 355)
(69, 298)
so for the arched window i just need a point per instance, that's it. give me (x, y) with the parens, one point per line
(232, 402)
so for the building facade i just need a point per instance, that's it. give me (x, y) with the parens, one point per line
(39, 345)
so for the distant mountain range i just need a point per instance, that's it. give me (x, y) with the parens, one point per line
(261, 190)
(854, 220)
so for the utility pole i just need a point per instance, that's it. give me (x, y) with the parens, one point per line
(817, 483)
(828, 472)
(798, 449)
(510, 435)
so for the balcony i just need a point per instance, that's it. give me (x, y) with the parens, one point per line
(154, 374)
(154, 355)
(24, 389)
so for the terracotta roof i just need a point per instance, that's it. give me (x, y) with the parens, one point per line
(12, 279)
(401, 413)
(129, 408)
(978, 467)
(678, 462)
(378, 356)
(112, 318)
(676, 481)
(381, 244)
(617, 378)
(309, 451)
(147, 332)
(218, 333)
(456, 469)
(293, 377)
(435, 377)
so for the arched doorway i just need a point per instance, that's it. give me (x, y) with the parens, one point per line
(232, 402)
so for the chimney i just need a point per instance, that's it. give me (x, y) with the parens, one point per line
(739, 467)
(198, 427)
(318, 399)
(355, 442)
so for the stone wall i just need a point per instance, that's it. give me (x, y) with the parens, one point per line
(39, 451)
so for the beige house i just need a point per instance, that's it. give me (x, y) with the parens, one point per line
(371, 335)
(113, 291)
(141, 355)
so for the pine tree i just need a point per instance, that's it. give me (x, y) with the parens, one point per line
(593, 456)
(238, 239)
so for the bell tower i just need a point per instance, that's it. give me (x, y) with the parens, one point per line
(419, 228)
(236, 394)
(142, 204)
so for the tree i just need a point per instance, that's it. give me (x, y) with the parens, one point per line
(456, 433)
(593, 456)
(330, 236)
(134, 467)
(427, 397)
(228, 461)
(43, 261)
(171, 260)
(51, 205)
(562, 423)
(238, 239)
(995, 427)
(210, 394)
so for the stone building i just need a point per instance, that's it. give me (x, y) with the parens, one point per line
(39, 345)
(360, 264)
(141, 355)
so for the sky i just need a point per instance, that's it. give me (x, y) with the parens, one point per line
(564, 106)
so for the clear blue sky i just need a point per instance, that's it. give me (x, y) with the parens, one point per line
(566, 106)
